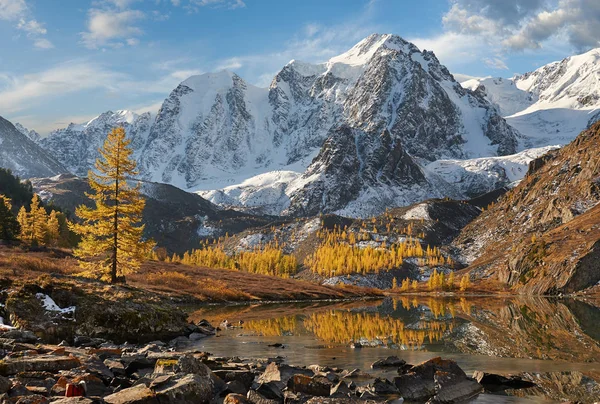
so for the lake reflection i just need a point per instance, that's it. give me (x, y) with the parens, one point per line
(500, 335)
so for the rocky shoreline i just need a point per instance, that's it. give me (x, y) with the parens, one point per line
(93, 370)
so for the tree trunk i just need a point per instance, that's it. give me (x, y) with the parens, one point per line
(113, 269)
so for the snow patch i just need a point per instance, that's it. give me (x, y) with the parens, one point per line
(50, 305)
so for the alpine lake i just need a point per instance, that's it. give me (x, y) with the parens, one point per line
(554, 341)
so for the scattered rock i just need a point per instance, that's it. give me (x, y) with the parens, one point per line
(494, 383)
(43, 363)
(452, 388)
(235, 399)
(340, 390)
(134, 395)
(390, 361)
(255, 397)
(314, 386)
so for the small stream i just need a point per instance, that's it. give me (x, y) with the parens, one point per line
(497, 335)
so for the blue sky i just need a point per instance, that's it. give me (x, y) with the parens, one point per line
(67, 61)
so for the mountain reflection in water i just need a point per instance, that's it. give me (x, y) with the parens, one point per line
(501, 335)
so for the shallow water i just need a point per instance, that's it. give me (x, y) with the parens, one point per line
(508, 335)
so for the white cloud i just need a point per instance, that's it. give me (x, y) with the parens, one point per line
(230, 4)
(12, 9)
(43, 43)
(527, 24)
(495, 63)
(31, 27)
(21, 92)
(112, 28)
(454, 49)
(18, 12)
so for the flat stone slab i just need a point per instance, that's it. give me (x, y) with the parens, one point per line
(39, 363)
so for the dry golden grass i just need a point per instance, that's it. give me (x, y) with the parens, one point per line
(179, 280)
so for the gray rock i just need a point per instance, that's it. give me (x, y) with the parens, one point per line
(5, 384)
(134, 395)
(256, 398)
(313, 386)
(235, 399)
(39, 363)
(452, 388)
(390, 361)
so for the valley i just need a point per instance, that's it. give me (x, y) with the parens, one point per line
(370, 203)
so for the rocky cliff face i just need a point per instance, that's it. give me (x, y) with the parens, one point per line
(542, 237)
(351, 163)
(23, 156)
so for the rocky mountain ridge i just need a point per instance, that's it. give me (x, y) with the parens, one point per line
(216, 130)
(23, 156)
(542, 237)
(550, 105)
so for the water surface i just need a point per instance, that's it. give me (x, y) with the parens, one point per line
(498, 335)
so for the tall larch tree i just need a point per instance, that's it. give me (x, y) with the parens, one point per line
(111, 232)
(38, 221)
(53, 228)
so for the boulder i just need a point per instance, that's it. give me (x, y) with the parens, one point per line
(134, 395)
(188, 389)
(383, 387)
(235, 399)
(340, 390)
(73, 400)
(415, 386)
(270, 391)
(494, 383)
(5, 384)
(20, 336)
(33, 399)
(281, 374)
(452, 388)
(246, 377)
(313, 386)
(43, 363)
(255, 397)
(236, 387)
(390, 361)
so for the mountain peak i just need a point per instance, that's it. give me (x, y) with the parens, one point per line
(363, 51)
(220, 79)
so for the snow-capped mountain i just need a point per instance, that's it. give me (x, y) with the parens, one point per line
(218, 127)
(284, 192)
(31, 134)
(24, 157)
(76, 146)
(351, 130)
(550, 105)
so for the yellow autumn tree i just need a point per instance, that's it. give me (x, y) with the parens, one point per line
(33, 223)
(111, 232)
(52, 228)
(465, 282)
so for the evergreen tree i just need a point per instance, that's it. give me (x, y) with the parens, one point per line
(9, 226)
(111, 232)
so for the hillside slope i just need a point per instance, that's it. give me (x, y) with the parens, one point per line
(543, 236)
(23, 156)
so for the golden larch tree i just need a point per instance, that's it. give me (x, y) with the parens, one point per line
(53, 228)
(33, 223)
(111, 232)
